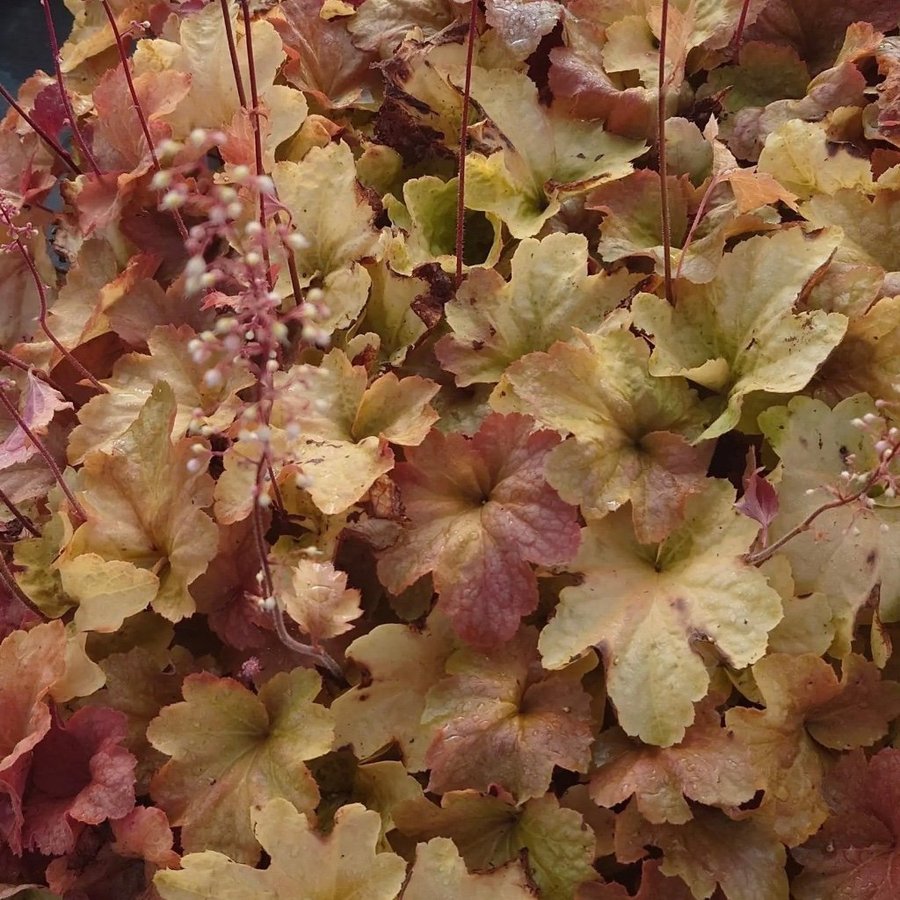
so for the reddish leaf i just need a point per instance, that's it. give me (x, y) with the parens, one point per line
(80, 774)
(30, 662)
(479, 512)
(322, 60)
(760, 499)
(855, 854)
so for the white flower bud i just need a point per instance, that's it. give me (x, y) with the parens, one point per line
(172, 200)
(161, 180)
(297, 241)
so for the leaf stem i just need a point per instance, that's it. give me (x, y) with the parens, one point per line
(21, 518)
(43, 135)
(42, 297)
(463, 141)
(42, 449)
(232, 52)
(8, 579)
(64, 96)
(701, 210)
(663, 160)
(739, 31)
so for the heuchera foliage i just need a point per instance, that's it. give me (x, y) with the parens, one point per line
(447, 449)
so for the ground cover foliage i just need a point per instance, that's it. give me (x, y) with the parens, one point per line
(353, 547)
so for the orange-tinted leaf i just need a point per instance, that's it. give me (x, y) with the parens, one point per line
(709, 766)
(503, 721)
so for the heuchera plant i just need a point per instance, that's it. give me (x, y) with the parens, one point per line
(448, 449)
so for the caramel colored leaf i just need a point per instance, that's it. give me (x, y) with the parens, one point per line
(708, 766)
(743, 858)
(440, 874)
(549, 155)
(146, 508)
(106, 417)
(342, 866)
(329, 208)
(400, 663)
(502, 721)
(630, 430)
(806, 708)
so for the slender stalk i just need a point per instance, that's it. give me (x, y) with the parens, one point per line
(317, 655)
(41, 448)
(739, 31)
(46, 138)
(232, 51)
(64, 96)
(755, 559)
(42, 296)
(21, 518)
(8, 579)
(663, 162)
(123, 56)
(257, 132)
(463, 141)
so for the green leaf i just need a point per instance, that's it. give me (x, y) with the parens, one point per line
(548, 155)
(233, 751)
(739, 333)
(495, 322)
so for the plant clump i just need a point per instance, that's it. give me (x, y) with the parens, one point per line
(451, 449)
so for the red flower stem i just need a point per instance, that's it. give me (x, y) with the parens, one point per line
(739, 31)
(48, 456)
(232, 51)
(7, 577)
(21, 518)
(463, 142)
(663, 162)
(123, 56)
(67, 103)
(42, 295)
(756, 559)
(16, 363)
(257, 132)
(46, 138)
